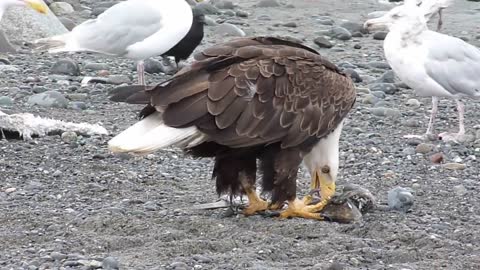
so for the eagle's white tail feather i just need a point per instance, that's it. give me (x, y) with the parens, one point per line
(151, 134)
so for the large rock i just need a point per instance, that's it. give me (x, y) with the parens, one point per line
(25, 24)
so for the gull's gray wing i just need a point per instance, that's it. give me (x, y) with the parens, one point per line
(454, 64)
(118, 27)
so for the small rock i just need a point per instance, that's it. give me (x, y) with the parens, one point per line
(6, 101)
(436, 158)
(65, 67)
(268, 3)
(77, 105)
(118, 79)
(69, 136)
(179, 265)
(61, 8)
(371, 99)
(10, 190)
(150, 206)
(454, 166)
(387, 88)
(206, 9)
(228, 29)
(424, 148)
(225, 5)
(354, 27)
(110, 263)
(380, 35)
(353, 74)
(49, 99)
(340, 33)
(387, 77)
(241, 14)
(325, 20)
(379, 64)
(290, 24)
(413, 103)
(335, 266)
(202, 259)
(400, 199)
(323, 42)
(57, 256)
(95, 66)
(460, 190)
(357, 46)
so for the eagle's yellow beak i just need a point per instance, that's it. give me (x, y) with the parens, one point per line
(37, 5)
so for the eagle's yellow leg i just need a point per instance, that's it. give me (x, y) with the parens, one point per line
(314, 185)
(299, 208)
(255, 203)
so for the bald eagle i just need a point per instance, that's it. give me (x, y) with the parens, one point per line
(249, 99)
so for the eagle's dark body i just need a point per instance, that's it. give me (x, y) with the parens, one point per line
(252, 99)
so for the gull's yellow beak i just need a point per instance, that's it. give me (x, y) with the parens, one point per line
(37, 5)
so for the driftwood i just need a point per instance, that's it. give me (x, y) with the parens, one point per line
(26, 126)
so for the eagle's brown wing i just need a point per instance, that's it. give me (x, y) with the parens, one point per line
(257, 91)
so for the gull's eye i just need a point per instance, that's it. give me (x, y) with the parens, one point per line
(395, 16)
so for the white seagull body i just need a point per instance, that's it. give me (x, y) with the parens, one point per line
(135, 29)
(431, 63)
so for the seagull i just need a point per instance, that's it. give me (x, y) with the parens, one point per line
(34, 4)
(431, 63)
(135, 29)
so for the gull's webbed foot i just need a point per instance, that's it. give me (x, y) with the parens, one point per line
(451, 137)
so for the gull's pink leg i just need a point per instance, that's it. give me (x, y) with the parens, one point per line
(445, 136)
(141, 72)
(432, 115)
(430, 127)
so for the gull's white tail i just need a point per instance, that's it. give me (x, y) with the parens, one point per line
(151, 134)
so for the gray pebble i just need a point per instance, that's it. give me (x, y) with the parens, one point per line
(354, 27)
(95, 66)
(268, 3)
(380, 35)
(77, 105)
(225, 5)
(69, 136)
(387, 77)
(460, 190)
(340, 33)
(241, 14)
(323, 42)
(387, 88)
(110, 263)
(400, 199)
(6, 101)
(353, 74)
(228, 29)
(413, 103)
(65, 67)
(57, 256)
(424, 148)
(118, 79)
(207, 9)
(49, 99)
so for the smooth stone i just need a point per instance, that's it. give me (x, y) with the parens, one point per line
(61, 8)
(228, 29)
(380, 35)
(323, 42)
(413, 103)
(454, 166)
(424, 148)
(387, 88)
(6, 101)
(49, 99)
(65, 67)
(387, 77)
(268, 4)
(400, 199)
